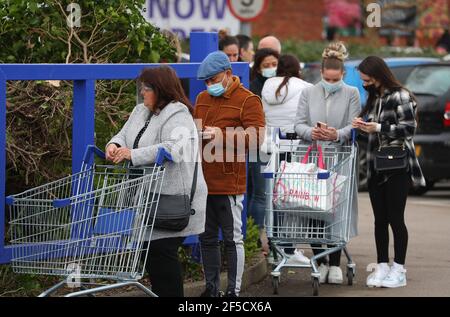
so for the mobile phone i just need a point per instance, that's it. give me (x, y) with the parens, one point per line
(322, 125)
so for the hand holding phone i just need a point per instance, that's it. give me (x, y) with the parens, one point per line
(322, 125)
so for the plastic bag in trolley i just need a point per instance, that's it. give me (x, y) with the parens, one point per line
(301, 185)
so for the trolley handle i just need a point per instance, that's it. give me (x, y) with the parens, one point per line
(162, 156)
(354, 135)
(90, 151)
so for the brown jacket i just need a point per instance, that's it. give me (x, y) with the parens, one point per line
(236, 108)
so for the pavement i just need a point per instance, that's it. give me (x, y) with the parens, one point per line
(428, 257)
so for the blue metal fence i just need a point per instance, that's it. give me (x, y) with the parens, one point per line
(84, 77)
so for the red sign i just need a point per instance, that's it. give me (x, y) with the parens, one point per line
(247, 10)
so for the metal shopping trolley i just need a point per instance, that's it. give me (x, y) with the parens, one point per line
(91, 226)
(308, 204)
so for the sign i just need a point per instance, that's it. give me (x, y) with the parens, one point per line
(185, 16)
(247, 10)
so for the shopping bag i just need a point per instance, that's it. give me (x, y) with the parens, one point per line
(303, 185)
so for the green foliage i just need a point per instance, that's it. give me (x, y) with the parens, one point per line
(251, 240)
(19, 285)
(311, 51)
(39, 113)
(110, 31)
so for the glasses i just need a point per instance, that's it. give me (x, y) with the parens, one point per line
(146, 88)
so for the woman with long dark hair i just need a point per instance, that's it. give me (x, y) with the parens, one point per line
(265, 67)
(391, 122)
(280, 96)
(165, 120)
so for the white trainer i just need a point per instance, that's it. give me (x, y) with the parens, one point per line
(335, 275)
(376, 277)
(323, 270)
(300, 258)
(395, 278)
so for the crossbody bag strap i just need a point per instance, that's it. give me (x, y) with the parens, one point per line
(194, 182)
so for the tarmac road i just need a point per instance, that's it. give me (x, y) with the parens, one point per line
(428, 258)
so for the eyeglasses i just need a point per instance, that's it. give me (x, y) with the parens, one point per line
(146, 88)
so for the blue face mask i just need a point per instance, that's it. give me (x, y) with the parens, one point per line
(269, 72)
(331, 88)
(216, 90)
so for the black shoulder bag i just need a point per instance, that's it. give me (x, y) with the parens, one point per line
(389, 158)
(172, 211)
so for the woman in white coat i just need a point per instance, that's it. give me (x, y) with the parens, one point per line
(280, 97)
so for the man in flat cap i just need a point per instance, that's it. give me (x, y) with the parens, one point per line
(232, 121)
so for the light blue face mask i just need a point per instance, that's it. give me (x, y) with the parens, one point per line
(269, 72)
(216, 90)
(331, 88)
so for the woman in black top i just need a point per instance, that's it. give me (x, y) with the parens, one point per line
(265, 66)
(391, 114)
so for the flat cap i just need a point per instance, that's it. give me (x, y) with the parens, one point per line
(213, 64)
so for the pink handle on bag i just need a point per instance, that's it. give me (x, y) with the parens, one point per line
(320, 162)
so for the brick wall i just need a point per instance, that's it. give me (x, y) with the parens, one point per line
(301, 19)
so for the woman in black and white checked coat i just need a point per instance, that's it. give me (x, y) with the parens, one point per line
(391, 118)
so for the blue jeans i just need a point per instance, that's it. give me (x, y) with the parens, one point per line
(256, 196)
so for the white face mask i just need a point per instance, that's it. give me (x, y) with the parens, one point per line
(332, 88)
(269, 72)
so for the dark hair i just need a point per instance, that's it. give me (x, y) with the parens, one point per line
(227, 41)
(166, 86)
(244, 41)
(376, 67)
(288, 67)
(260, 55)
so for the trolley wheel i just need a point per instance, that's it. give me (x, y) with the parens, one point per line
(315, 285)
(275, 284)
(350, 276)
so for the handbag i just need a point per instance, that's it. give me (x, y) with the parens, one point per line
(390, 158)
(172, 211)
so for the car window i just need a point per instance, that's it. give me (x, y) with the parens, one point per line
(434, 80)
(402, 72)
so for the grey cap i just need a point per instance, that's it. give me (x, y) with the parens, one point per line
(213, 64)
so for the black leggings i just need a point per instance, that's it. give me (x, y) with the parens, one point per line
(388, 203)
(164, 267)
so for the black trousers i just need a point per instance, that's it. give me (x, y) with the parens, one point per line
(164, 267)
(388, 202)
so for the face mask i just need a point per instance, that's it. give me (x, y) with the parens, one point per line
(216, 90)
(371, 89)
(269, 72)
(331, 88)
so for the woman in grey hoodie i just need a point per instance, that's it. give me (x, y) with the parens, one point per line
(164, 120)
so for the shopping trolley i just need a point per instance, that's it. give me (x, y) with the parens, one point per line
(88, 227)
(307, 207)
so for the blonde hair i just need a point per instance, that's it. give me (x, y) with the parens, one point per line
(336, 50)
(334, 55)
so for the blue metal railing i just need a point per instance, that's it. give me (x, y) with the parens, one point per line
(84, 77)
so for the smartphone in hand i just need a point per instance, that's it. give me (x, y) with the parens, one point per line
(322, 125)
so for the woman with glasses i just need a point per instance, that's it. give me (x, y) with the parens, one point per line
(164, 120)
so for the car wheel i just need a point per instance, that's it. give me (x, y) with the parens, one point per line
(421, 190)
